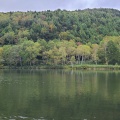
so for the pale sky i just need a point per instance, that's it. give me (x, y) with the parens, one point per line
(41, 5)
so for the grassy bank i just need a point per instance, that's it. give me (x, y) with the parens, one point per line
(97, 67)
(75, 67)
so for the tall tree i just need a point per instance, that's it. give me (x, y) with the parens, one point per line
(94, 53)
(83, 52)
(113, 53)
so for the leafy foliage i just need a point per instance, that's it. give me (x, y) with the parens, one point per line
(89, 25)
(60, 37)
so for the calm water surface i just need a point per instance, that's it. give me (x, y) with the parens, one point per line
(59, 95)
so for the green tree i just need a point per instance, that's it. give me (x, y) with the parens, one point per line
(94, 53)
(63, 54)
(32, 51)
(9, 38)
(103, 45)
(83, 52)
(1, 55)
(6, 54)
(113, 53)
(53, 56)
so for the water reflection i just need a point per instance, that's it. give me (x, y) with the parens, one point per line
(59, 95)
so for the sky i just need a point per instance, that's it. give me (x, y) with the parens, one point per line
(42, 5)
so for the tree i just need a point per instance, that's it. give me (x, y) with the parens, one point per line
(65, 35)
(63, 54)
(113, 53)
(6, 54)
(32, 51)
(106, 49)
(70, 48)
(94, 53)
(72, 60)
(15, 55)
(1, 55)
(101, 55)
(103, 45)
(9, 38)
(83, 52)
(23, 33)
(53, 56)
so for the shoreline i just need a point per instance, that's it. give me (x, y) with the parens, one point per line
(74, 67)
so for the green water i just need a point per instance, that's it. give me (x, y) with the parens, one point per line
(59, 95)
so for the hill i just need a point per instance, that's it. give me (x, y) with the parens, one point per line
(89, 25)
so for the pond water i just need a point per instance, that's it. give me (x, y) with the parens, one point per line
(59, 95)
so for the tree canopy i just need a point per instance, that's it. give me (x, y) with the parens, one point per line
(60, 37)
(89, 25)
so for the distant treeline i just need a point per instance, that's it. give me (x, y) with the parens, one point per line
(84, 26)
(60, 37)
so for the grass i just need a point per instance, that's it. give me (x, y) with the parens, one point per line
(97, 67)
(75, 67)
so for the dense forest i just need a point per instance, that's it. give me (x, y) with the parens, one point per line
(60, 37)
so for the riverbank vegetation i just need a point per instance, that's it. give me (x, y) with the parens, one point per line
(29, 53)
(60, 37)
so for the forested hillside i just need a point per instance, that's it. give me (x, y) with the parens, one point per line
(84, 26)
(60, 37)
